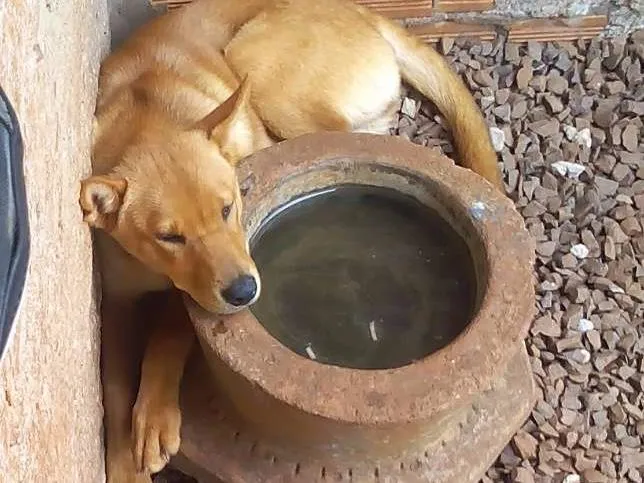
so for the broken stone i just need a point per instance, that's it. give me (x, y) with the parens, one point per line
(603, 359)
(604, 114)
(409, 107)
(483, 78)
(512, 52)
(585, 325)
(446, 44)
(522, 475)
(581, 356)
(498, 138)
(557, 84)
(632, 107)
(631, 226)
(545, 128)
(553, 103)
(614, 87)
(524, 76)
(565, 168)
(546, 326)
(633, 460)
(579, 250)
(606, 187)
(525, 445)
(546, 249)
(630, 138)
(502, 112)
(584, 138)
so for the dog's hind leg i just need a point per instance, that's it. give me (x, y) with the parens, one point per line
(156, 419)
(305, 118)
(381, 123)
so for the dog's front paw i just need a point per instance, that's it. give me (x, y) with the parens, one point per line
(121, 469)
(156, 426)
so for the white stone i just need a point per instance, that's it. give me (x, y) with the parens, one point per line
(584, 138)
(409, 107)
(560, 167)
(566, 168)
(487, 101)
(615, 288)
(580, 251)
(577, 9)
(548, 285)
(622, 198)
(498, 138)
(575, 169)
(585, 325)
(582, 356)
(570, 132)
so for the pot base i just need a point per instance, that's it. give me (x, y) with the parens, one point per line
(217, 448)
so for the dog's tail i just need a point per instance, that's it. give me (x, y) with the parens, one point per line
(428, 72)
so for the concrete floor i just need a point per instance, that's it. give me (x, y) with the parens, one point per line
(126, 15)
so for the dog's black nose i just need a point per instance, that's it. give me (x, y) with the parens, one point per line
(241, 291)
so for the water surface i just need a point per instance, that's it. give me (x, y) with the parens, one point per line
(362, 277)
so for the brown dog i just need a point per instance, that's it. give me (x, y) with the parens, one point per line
(172, 120)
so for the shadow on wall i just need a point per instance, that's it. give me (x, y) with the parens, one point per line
(127, 15)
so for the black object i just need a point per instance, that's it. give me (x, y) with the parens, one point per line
(14, 221)
(241, 291)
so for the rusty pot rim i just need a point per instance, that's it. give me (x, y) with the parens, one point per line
(453, 374)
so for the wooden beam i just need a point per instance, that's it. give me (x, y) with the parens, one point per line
(547, 29)
(557, 29)
(463, 5)
(433, 32)
(397, 9)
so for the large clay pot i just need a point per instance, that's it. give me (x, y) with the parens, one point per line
(273, 415)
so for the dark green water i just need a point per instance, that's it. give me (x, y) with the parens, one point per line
(364, 276)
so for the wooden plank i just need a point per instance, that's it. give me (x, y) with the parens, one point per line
(553, 29)
(463, 5)
(541, 30)
(397, 9)
(557, 29)
(433, 32)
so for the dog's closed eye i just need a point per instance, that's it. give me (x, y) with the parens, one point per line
(225, 211)
(173, 238)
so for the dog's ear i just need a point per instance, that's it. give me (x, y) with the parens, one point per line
(230, 125)
(101, 198)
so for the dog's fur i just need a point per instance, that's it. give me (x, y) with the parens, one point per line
(173, 119)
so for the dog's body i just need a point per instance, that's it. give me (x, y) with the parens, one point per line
(172, 120)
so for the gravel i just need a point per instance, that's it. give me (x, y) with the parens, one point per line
(566, 120)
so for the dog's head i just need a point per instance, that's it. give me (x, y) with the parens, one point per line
(173, 202)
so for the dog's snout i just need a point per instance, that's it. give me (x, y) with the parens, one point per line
(241, 291)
